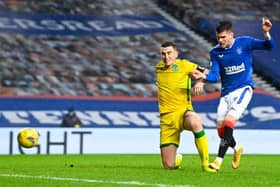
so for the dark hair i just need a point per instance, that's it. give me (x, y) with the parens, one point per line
(168, 44)
(224, 25)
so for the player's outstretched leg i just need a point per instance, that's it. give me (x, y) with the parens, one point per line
(225, 142)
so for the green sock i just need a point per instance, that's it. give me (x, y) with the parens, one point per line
(202, 147)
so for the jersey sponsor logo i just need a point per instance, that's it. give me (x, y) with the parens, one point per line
(220, 55)
(230, 70)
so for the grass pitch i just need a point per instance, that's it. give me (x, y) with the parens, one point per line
(133, 170)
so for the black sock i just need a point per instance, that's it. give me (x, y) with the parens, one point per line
(229, 135)
(226, 141)
(223, 148)
(232, 142)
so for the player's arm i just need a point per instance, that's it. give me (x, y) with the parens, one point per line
(214, 74)
(211, 75)
(202, 69)
(197, 87)
(266, 44)
(199, 73)
(266, 26)
(199, 83)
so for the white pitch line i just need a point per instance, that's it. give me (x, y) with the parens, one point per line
(135, 183)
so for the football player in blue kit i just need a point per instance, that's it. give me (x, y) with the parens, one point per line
(231, 62)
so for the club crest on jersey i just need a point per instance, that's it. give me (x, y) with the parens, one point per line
(239, 51)
(175, 68)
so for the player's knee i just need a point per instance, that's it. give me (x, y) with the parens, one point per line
(194, 121)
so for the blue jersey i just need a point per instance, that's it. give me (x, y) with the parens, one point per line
(233, 65)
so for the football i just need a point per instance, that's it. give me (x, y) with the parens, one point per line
(28, 137)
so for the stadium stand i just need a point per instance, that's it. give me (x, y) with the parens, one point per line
(84, 65)
(76, 65)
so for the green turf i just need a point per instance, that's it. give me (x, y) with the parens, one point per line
(133, 170)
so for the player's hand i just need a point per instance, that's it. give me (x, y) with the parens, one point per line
(266, 25)
(197, 88)
(197, 74)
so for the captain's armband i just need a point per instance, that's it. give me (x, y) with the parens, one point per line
(201, 69)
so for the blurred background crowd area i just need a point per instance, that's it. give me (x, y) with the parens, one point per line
(192, 11)
(197, 13)
(101, 65)
(81, 7)
(84, 65)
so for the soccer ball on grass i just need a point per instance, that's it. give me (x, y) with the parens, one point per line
(28, 137)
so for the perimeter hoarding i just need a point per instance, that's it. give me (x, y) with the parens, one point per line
(93, 25)
(125, 125)
(262, 113)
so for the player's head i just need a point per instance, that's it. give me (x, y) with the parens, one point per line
(224, 33)
(169, 53)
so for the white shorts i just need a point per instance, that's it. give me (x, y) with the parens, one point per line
(234, 103)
